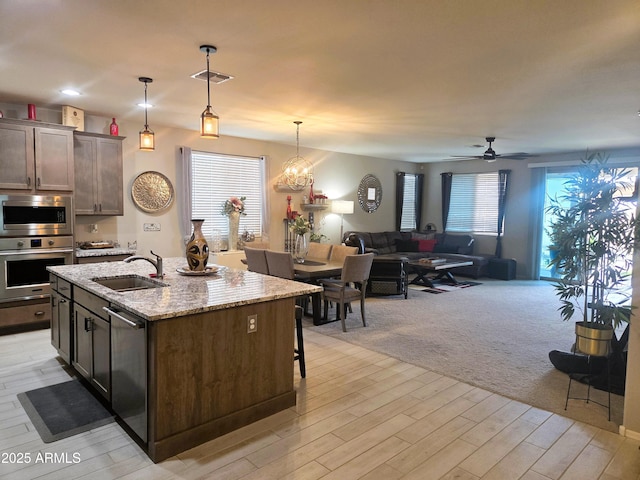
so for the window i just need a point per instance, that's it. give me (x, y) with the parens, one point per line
(408, 219)
(215, 178)
(474, 203)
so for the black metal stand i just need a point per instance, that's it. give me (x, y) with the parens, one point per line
(578, 376)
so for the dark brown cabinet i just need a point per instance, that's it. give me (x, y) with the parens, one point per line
(98, 174)
(92, 341)
(35, 157)
(61, 317)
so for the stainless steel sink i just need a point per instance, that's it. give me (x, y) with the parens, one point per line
(125, 283)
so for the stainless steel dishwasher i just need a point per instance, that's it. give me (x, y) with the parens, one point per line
(129, 369)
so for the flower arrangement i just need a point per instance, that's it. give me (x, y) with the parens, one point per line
(300, 226)
(234, 204)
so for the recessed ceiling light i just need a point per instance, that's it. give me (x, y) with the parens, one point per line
(145, 105)
(70, 92)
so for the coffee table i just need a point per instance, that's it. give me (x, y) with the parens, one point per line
(442, 270)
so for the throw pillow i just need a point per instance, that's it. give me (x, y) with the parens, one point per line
(442, 248)
(426, 245)
(406, 246)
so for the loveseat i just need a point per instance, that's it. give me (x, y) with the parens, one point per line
(414, 245)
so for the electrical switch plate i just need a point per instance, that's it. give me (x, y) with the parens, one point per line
(151, 227)
(252, 323)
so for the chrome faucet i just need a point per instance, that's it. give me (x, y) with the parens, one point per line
(156, 263)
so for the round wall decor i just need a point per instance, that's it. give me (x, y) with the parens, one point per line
(152, 192)
(369, 193)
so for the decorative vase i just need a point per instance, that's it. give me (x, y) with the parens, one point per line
(234, 224)
(197, 248)
(300, 248)
(113, 128)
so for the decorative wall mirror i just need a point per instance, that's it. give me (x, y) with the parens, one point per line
(370, 193)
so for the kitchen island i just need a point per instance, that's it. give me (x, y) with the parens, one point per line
(219, 348)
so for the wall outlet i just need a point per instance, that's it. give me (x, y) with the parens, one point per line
(151, 227)
(252, 323)
(93, 228)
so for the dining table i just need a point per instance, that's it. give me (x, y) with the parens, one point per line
(312, 270)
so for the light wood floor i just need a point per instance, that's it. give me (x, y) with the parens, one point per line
(360, 415)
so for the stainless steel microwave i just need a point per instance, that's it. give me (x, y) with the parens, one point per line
(29, 215)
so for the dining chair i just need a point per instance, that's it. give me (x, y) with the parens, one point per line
(339, 252)
(351, 286)
(256, 260)
(319, 251)
(280, 264)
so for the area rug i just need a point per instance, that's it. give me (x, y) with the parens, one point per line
(443, 287)
(62, 410)
(496, 336)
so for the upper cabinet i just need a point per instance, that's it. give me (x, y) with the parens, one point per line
(98, 174)
(35, 156)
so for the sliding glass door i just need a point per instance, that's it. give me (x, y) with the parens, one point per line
(553, 186)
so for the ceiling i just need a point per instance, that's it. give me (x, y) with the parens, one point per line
(414, 80)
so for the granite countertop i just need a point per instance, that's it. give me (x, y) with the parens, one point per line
(183, 295)
(103, 252)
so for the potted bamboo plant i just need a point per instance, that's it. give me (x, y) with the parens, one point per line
(594, 231)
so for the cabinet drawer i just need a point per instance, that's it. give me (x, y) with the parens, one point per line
(91, 302)
(101, 258)
(59, 285)
(25, 314)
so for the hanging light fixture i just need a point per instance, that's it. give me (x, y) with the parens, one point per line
(208, 120)
(147, 137)
(297, 172)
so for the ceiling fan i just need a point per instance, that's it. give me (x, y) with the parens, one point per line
(490, 154)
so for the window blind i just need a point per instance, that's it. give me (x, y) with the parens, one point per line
(474, 203)
(408, 219)
(216, 178)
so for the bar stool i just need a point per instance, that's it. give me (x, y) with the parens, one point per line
(280, 264)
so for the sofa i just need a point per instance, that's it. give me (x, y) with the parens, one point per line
(414, 245)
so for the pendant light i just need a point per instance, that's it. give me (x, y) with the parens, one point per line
(147, 137)
(297, 172)
(208, 120)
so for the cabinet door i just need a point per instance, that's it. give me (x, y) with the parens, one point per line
(101, 377)
(64, 319)
(16, 157)
(55, 320)
(82, 355)
(109, 176)
(84, 150)
(54, 159)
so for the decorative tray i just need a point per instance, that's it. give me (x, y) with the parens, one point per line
(201, 273)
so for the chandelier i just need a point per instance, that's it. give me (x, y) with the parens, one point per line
(297, 172)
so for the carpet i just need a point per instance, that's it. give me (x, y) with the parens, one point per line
(62, 410)
(442, 287)
(496, 336)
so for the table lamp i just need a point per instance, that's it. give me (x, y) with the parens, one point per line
(342, 207)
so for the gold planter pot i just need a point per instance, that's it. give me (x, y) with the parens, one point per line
(593, 339)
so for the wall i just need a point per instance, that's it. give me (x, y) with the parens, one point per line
(336, 174)
(524, 200)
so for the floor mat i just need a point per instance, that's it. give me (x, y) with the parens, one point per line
(62, 410)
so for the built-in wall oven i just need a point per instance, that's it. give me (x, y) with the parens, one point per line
(36, 231)
(24, 262)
